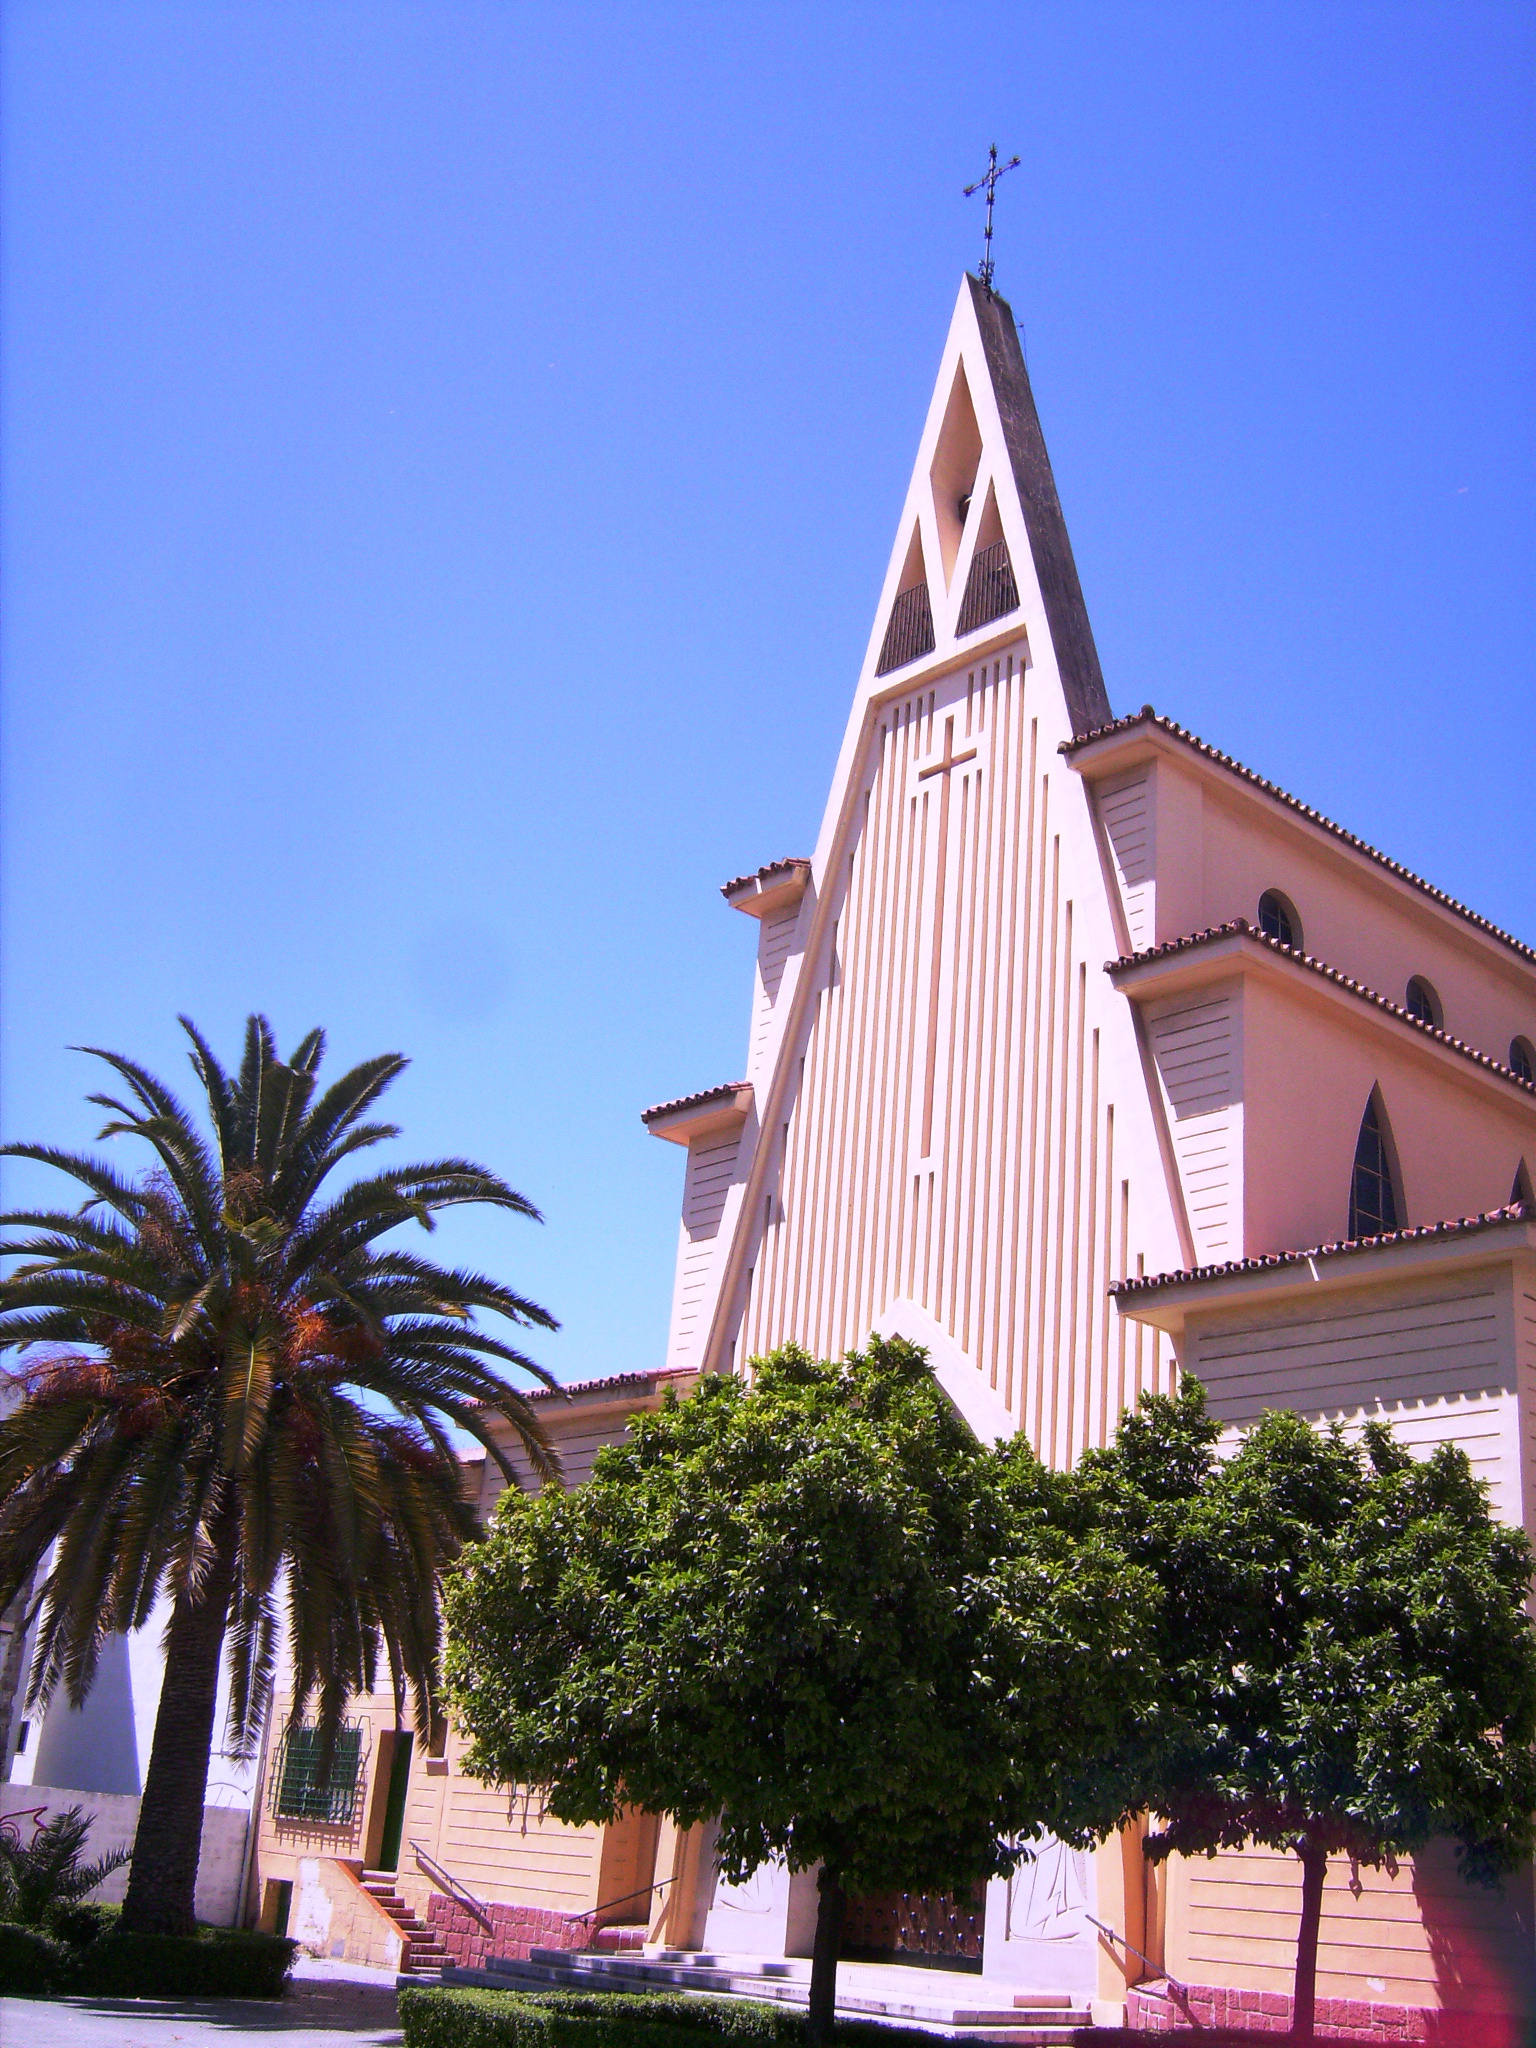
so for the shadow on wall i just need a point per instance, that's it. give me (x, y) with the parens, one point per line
(93, 1748)
(1480, 1942)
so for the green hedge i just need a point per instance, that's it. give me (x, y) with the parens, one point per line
(612, 2019)
(217, 1963)
(214, 1963)
(31, 1963)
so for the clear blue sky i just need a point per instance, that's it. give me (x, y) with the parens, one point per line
(451, 453)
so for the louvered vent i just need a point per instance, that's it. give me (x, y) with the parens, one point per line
(909, 631)
(990, 590)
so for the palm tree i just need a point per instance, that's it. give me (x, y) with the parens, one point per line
(236, 1390)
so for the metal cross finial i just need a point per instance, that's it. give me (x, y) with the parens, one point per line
(994, 171)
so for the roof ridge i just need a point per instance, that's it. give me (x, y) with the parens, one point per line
(691, 1101)
(1240, 926)
(1183, 1276)
(1146, 715)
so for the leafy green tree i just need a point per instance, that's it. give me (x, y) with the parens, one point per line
(814, 1608)
(238, 1391)
(1347, 1667)
(38, 1877)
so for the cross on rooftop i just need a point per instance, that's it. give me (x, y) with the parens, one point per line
(994, 171)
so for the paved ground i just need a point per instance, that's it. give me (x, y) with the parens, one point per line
(329, 2006)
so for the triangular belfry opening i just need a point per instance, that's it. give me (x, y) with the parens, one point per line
(991, 590)
(952, 472)
(909, 629)
(982, 502)
(1523, 1191)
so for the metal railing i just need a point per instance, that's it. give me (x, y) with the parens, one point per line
(446, 1882)
(624, 1898)
(990, 589)
(1180, 1991)
(909, 630)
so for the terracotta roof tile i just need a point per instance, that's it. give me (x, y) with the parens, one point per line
(1240, 926)
(1461, 1226)
(1147, 716)
(615, 1381)
(774, 867)
(692, 1101)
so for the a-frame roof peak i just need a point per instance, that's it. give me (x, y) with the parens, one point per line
(1077, 658)
(982, 498)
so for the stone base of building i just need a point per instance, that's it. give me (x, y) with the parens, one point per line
(1156, 2008)
(517, 1930)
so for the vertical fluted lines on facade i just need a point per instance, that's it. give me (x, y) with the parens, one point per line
(1009, 1229)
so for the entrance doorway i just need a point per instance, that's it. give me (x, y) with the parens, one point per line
(929, 1930)
(390, 1790)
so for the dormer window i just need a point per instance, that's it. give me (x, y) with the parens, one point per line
(1522, 1058)
(1423, 1003)
(1278, 919)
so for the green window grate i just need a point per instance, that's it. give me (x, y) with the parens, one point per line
(301, 1792)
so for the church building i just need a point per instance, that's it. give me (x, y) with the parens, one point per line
(1079, 1054)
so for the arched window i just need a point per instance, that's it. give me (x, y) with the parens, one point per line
(1423, 1003)
(1522, 1190)
(1522, 1058)
(1374, 1207)
(1278, 919)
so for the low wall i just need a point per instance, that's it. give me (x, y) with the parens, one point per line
(515, 1930)
(1154, 2008)
(114, 1818)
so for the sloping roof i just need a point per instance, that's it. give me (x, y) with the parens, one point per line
(1239, 927)
(1147, 716)
(691, 1101)
(1460, 1226)
(787, 865)
(1077, 658)
(614, 1383)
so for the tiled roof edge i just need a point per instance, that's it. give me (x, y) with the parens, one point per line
(618, 1379)
(1147, 716)
(1461, 1226)
(692, 1101)
(774, 867)
(1239, 926)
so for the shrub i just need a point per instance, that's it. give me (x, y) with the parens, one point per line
(78, 1924)
(612, 2019)
(31, 1964)
(219, 1963)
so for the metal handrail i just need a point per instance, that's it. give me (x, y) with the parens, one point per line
(446, 1882)
(624, 1898)
(1179, 1990)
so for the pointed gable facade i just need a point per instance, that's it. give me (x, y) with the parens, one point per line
(1076, 1051)
(944, 1129)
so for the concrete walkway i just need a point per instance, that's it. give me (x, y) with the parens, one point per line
(328, 2006)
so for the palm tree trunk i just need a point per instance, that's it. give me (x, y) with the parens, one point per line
(1314, 1868)
(162, 1880)
(831, 1908)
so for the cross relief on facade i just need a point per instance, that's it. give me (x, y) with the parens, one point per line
(943, 771)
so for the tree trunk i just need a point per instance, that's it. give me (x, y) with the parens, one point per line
(831, 1909)
(1314, 1868)
(162, 1879)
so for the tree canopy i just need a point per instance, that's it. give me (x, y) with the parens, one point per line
(812, 1608)
(1345, 1661)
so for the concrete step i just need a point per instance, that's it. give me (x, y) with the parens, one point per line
(957, 2006)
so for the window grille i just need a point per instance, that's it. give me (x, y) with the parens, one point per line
(990, 590)
(301, 1792)
(1423, 1003)
(909, 632)
(1372, 1195)
(1277, 919)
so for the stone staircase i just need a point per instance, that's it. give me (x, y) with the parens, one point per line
(421, 1953)
(950, 2005)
